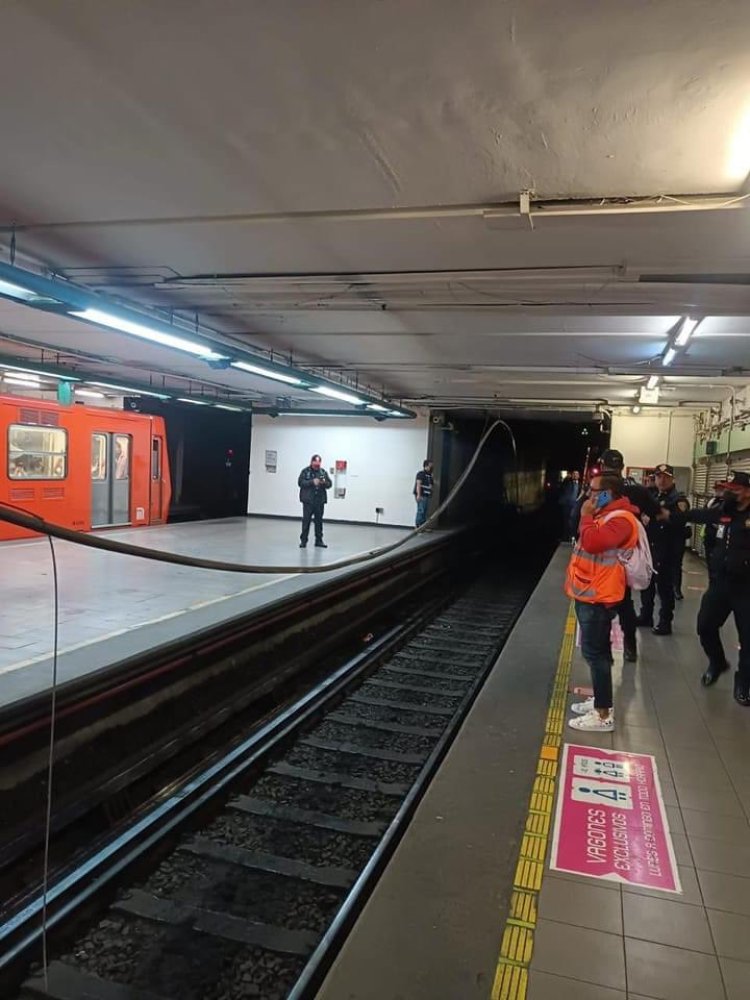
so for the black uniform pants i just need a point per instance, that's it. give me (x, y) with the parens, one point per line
(627, 616)
(678, 570)
(723, 598)
(312, 512)
(662, 582)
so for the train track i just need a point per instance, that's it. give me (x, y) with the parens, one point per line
(269, 850)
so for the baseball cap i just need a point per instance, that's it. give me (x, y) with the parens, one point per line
(612, 459)
(738, 479)
(668, 470)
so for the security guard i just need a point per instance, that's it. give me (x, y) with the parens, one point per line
(313, 482)
(729, 583)
(667, 538)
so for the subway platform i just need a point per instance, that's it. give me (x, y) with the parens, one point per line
(115, 606)
(469, 907)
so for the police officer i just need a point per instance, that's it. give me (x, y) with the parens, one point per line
(729, 583)
(667, 538)
(709, 530)
(313, 484)
(612, 461)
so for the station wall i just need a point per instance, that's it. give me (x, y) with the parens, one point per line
(646, 439)
(382, 461)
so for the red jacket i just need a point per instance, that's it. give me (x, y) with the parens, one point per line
(615, 534)
(595, 574)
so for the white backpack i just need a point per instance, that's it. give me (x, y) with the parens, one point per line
(639, 567)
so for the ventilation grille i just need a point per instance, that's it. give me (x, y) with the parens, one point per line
(53, 493)
(47, 418)
(21, 493)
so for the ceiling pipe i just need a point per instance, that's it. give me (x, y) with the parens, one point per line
(524, 207)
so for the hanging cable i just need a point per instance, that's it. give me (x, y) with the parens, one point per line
(34, 523)
(51, 757)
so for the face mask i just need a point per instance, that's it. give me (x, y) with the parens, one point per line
(730, 499)
(602, 499)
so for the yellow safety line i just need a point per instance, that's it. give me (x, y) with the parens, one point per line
(512, 977)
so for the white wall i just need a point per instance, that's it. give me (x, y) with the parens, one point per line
(646, 439)
(382, 458)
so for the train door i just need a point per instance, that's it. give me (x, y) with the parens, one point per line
(157, 479)
(110, 479)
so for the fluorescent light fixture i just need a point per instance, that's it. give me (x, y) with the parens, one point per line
(378, 408)
(245, 366)
(669, 355)
(17, 292)
(27, 377)
(317, 413)
(23, 382)
(32, 371)
(686, 331)
(345, 397)
(147, 333)
(195, 402)
(653, 381)
(226, 406)
(90, 393)
(130, 390)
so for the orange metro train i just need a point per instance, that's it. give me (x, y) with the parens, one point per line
(82, 467)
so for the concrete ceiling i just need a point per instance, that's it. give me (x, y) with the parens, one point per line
(336, 182)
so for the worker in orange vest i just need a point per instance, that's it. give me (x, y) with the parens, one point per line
(596, 581)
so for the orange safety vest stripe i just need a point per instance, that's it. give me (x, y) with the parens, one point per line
(599, 577)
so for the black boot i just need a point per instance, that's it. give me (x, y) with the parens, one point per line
(663, 628)
(629, 649)
(303, 544)
(678, 594)
(644, 621)
(713, 672)
(321, 544)
(741, 691)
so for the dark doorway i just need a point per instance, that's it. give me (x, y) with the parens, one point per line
(209, 458)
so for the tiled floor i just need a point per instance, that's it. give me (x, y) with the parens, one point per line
(113, 606)
(598, 941)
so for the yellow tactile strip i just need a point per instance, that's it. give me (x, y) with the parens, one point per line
(512, 977)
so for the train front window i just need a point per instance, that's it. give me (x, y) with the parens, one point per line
(37, 452)
(98, 457)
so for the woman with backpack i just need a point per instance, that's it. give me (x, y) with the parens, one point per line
(609, 535)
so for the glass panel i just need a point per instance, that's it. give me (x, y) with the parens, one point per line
(122, 456)
(37, 452)
(98, 456)
(156, 459)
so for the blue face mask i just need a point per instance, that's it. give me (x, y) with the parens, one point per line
(603, 498)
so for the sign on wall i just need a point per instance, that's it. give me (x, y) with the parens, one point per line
(610, 821)
(271, 457)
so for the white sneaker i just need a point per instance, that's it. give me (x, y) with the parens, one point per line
(583, 707)
(593, 723)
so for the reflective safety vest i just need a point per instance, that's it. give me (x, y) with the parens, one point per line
(599, 577)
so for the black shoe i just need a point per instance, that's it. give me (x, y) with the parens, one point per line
(679, 596)
(303, 545)
(643, 622)
(321, 545)
(629, 652)
(713, 673)
(741, 691)
(663, 628)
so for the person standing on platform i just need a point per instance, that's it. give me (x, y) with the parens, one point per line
(667, 538)
(648, 509)
(313, 482)
(596, 581)
(729, 583)
(709, 530)
(423, 492)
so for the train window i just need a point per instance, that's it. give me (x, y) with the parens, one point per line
(37, 452)
(122, 456)
(155, 458)
(99, 456)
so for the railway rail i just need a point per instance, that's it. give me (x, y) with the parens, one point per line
(242, 880)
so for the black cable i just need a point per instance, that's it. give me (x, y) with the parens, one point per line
(34, 523)
(50, 762)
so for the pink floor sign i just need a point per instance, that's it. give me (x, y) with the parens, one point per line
(610, 821)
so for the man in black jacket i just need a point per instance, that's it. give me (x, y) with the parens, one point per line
(640, 497)
(667, 538)
(313, 482)
(729, 583)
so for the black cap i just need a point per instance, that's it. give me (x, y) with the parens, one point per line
(738, 479)
(612, 459)
(668, 470)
